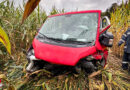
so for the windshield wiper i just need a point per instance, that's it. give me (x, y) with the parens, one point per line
(90, 41)
(74, 40)
(69, 40)
(44, 36)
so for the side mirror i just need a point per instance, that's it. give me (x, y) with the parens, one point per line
(106, 39)
(105, 24)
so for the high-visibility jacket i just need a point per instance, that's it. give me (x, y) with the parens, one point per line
(125, 38)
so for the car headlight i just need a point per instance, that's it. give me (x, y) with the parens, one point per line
(31, 56)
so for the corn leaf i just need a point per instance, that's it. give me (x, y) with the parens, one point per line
(102, 86)
(11, 87)
(43, 85)
(66, 85)
(47, 87)
(108, 85)
(95, 74)
(2, 76)
(109, 75)
(30, 6)
(5, 40)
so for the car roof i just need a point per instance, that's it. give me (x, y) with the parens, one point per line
(77, 12)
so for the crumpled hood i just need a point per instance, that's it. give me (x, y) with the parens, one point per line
(60, 54)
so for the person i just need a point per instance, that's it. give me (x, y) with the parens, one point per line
(126, 57)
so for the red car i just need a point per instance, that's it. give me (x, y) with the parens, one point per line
(71, 41)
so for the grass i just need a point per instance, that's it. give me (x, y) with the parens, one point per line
(21, 37)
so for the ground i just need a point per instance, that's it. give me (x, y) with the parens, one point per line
(114, 62)
(43, 80)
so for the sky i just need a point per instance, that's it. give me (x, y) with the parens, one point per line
(72, 5)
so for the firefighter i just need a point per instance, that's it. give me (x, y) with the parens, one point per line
(126, 57)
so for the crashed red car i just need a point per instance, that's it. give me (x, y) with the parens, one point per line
(74, 40)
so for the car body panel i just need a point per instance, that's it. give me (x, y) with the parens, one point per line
(61, 54)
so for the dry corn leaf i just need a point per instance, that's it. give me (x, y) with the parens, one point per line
(102, 86)
(2, 76)
(66, 83)
(123, 83)
(91, 84)
(108, 85)
(117, 85)
(94, 74)
(11, 87)
(30, 6)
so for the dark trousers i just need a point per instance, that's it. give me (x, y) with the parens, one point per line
(126, 57)
(126, 60)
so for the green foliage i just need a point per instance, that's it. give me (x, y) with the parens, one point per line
(10, 20)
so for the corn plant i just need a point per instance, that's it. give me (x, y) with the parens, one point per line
(20, 35)
(120, 21)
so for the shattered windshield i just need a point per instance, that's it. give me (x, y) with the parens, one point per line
(72, 27)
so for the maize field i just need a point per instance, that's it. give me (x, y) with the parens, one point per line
(12, 66)
(120, 20)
